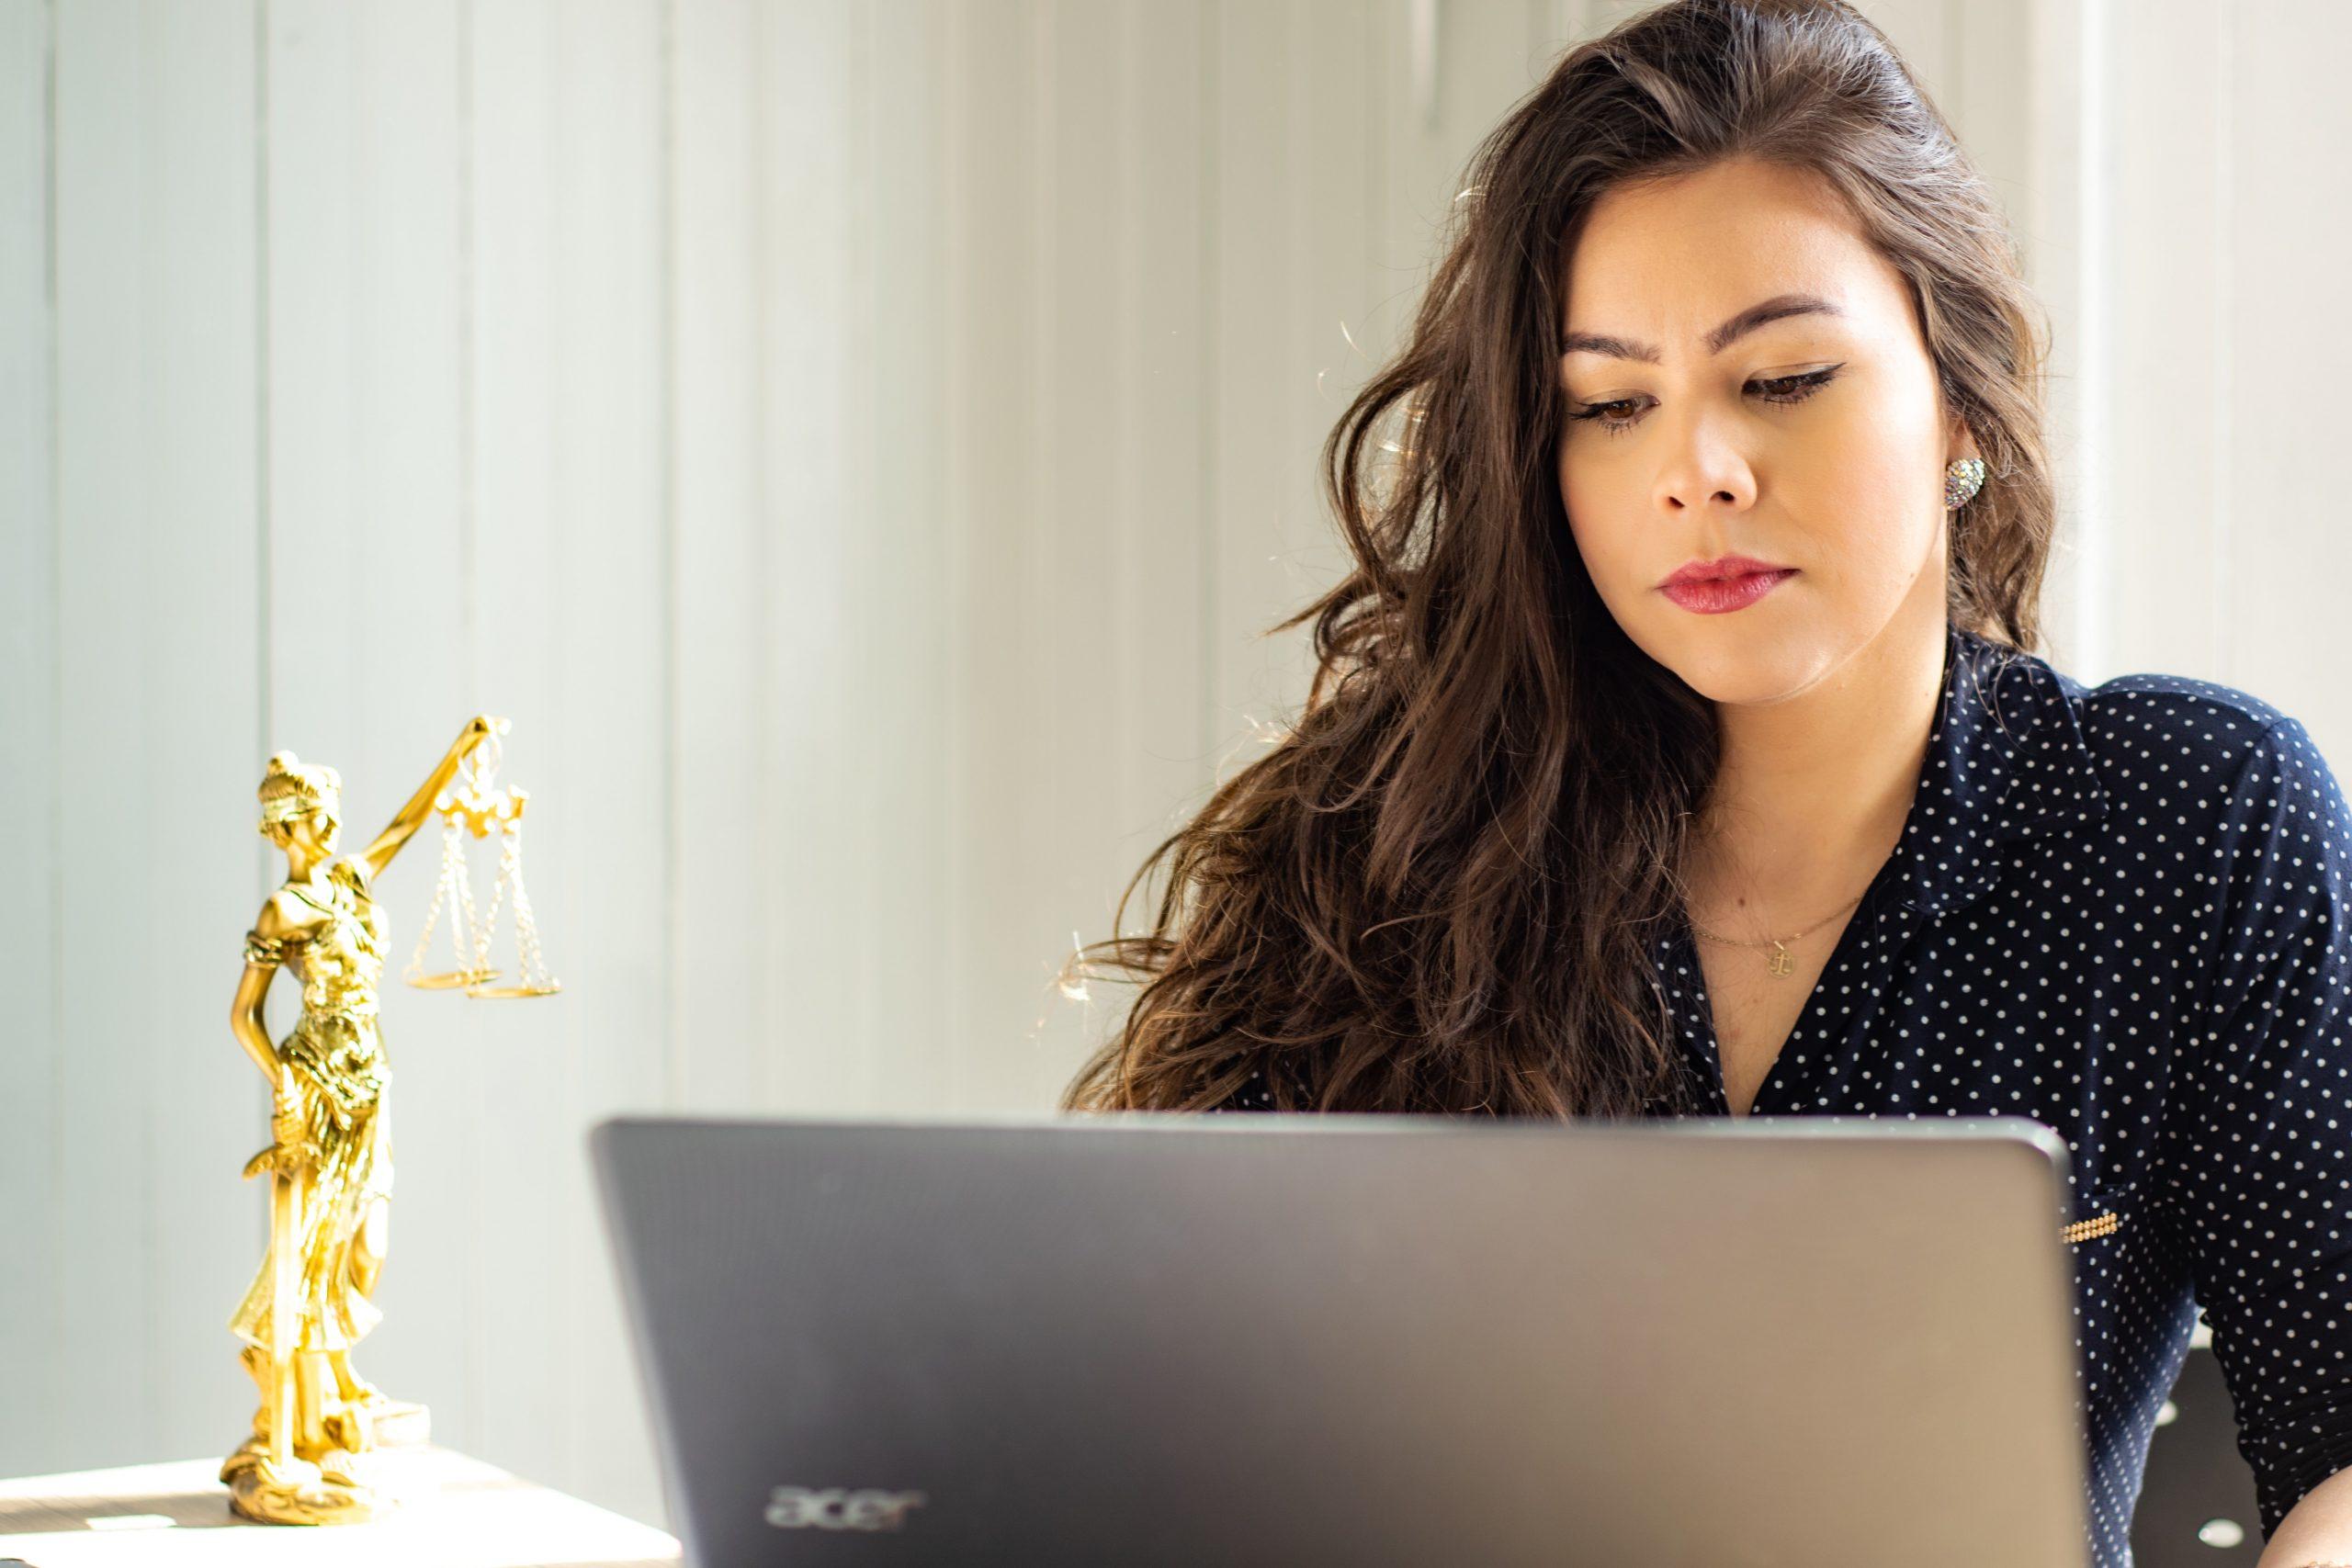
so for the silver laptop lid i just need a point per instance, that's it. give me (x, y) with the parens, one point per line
(1159, 1338)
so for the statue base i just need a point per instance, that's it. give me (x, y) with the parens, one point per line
(399, 1423)
(329, 1478)
(298, 1492)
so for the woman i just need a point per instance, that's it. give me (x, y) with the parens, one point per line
(1676, 747)
(331, 1149)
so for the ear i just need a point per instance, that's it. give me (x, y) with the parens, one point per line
(1960, 442)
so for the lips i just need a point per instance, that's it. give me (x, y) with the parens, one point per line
(1720, 567)
(1719, 595)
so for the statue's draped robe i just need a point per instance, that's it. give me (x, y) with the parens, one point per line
(336, 1062)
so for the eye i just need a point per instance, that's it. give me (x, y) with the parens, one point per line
(1777, 390)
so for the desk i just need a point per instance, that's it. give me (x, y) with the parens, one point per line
(455, 1512)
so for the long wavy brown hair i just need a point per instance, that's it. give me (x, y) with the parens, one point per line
(1435, 893)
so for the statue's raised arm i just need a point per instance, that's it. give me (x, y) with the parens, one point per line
(411, 816)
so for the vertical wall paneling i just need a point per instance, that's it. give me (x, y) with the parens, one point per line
(2159, 82)
(720, 1027)
(1922, 31)
(316, 544)
(32, 1155)
(614, 637)
(1329, 282)
(368, 634)
(1599, 16)
(842, 335)
(1979, 83)
(518, 1355)
(2274, 405)
(1258, 473)
(995, 338)
(156, 617)
(1085, 375)
(195, 580)
(1151, 720)
(104, 1276)
(2231, 319)
(877, 1007)
(2045, 92)
(1210, 414)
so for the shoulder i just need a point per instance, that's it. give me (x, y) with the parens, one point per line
(2245, 781)
(2146, 721)
(284, 926)
(2196, 750)
(283, 913)
(353, 871)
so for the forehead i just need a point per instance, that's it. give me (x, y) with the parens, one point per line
(1664, 262)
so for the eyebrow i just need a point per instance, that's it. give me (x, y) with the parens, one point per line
(1723, 337)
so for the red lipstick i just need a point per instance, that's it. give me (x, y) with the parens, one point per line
(1725, 584)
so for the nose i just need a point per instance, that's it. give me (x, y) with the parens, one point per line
(1702, 468)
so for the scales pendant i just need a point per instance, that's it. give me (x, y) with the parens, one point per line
(479, 805)
(1779, 962)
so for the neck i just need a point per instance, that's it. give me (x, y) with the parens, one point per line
(1811, 794)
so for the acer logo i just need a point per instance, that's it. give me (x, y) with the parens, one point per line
(839, 1508)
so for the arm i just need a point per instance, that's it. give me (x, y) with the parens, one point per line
(2256, 1154)
(290, 1147)
(270, 930)
(245, 1017)
(2318, 1533)
(411, 816)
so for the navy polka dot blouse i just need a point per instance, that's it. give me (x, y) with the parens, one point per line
(2121, 911)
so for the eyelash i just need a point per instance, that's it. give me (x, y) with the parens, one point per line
(1807, 384)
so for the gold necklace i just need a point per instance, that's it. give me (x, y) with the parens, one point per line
(1778, 961)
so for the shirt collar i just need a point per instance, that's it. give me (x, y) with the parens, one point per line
(2006, 758)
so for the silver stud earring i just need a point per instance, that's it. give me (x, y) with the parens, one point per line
(1961, 481)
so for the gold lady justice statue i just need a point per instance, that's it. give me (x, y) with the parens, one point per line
(330, 1156)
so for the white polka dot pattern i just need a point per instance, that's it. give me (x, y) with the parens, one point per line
(2122, 911)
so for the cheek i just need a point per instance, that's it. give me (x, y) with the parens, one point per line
(1580, 501)
(1879, 465)
(1606, 531)
(1873, 517)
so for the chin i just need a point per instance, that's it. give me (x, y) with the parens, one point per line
(1751, 670)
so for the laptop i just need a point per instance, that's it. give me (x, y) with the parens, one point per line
(1157, 1338)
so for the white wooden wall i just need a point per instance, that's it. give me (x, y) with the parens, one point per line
(857, 443)
(2220, 528)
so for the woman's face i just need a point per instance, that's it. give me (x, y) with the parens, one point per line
(316, 831)
(1814, 441)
